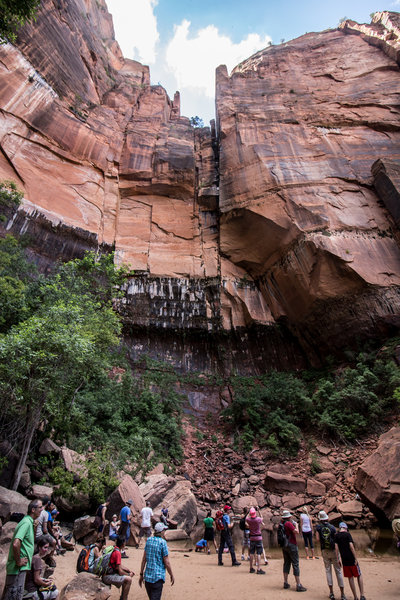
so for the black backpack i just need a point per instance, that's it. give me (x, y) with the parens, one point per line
(242, 524)
(326, 536)
(282, 537)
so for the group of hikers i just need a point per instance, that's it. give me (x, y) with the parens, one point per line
(35, 542)
(337, 547)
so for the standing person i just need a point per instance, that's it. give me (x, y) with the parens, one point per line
(226, 537)
(36, 586)
(154, 563)
(20, 554)
(351, 569)
(100, 518)
(306, 530)
(256, 546)
(119, 576)
(125, 516)
(246, 534)
(326, 534)
(209, 531)
(145, 524)
(290, 552)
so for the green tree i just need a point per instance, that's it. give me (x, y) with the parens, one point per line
(13, 14)
(196, 121)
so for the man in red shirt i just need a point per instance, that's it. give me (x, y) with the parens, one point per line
(291, 553)
(119, 576)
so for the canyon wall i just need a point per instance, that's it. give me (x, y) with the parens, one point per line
(263, 242)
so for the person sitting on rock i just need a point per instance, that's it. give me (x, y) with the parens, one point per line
(42, 529)
(114, 526)
(36, 586)
(164, 516)
(118, 575)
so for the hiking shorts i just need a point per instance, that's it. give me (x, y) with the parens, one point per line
(353, 571)
(256, 546)
(114, 579)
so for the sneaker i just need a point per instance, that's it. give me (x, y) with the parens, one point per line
(362, 597)
(331, 596)
(208, 551)
(248, 558)
(260, 572)
(242, 556)
(343, 597)
(236, 564)
(252, 570)
(286, 585)
(301, 588)
(124, 555)
(220, 564)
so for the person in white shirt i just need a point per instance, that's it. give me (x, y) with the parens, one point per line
(145, 526)
(306, 530)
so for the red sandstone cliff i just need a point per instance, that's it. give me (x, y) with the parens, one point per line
(298, 233)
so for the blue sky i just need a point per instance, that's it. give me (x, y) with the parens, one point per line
(183, 41)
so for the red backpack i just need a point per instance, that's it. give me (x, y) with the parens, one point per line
(219, 522)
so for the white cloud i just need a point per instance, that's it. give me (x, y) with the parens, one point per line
(135, 27)
(194, 60)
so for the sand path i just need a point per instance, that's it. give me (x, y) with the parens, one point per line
(198, 576)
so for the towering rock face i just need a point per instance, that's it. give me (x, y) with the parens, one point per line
(271, 218)
(300, 128)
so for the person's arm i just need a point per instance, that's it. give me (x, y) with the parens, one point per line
(45, 525)
(353, 550)
(142, 567)
(337, 554)
(168, 567)
(103, 515)
(38, 579)
(20, 562)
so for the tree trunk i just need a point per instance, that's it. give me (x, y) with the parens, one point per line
(31, 426)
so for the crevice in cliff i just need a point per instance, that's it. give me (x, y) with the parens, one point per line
(14, 168)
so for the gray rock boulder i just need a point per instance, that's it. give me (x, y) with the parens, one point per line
(11, 502)
(85, 586)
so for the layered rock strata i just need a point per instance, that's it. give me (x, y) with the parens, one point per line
(300, 127)
(270, 218)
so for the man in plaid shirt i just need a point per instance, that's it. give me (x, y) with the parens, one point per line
(154, 563)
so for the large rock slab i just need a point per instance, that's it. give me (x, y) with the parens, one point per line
(280, 483)
(378, 477)
(175, 494)
(12, 502)
(85, 586)
(128, 489)
(351, 509)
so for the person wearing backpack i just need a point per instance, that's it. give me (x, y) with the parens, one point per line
(226, 537)
(254, 524)
(117, 574)
(290, 552)
(326, 534)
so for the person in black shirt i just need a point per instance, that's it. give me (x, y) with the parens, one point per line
(351, 569)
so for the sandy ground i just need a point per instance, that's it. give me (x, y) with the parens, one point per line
(198, 576)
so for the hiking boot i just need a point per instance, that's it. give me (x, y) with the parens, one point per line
(236, 564)
(300, 588)
(260, 572)
(343, 597)
(220, 564)
(362, 597)
(286, 585)
(252, 570)
(331, 596)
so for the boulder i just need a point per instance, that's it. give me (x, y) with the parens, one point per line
(7, 532)
(25, 480)
(327, 478)
(83, 526)
(11, 502)
(80, 503)
(3, 561)
(175, 534)
(291, 502)
(238, 504)
(128, 489)
(274, 500)
(40, 491)
(351, 509)
(73, 462)
(315, 488)
(378, 477)
(85, 586)
(175, 494)
(48, 446)
(281, 483)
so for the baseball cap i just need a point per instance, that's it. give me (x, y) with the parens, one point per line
(227, 507)
(343, 525)
(159, 527)
(322, 516)
(252, 512)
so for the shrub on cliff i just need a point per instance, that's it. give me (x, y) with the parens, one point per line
(13, 14)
